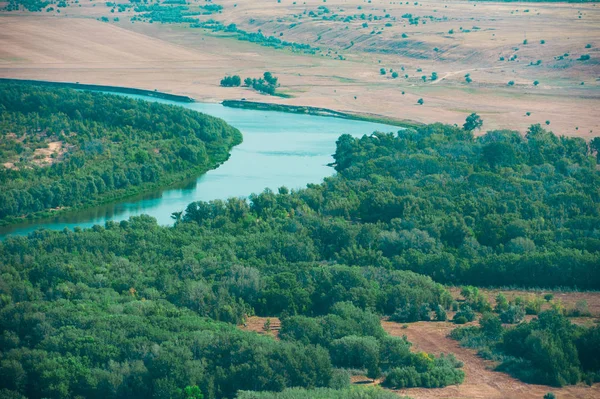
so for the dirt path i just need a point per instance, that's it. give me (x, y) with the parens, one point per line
(480, 381)
(449, 74)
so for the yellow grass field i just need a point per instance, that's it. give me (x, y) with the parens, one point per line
(75, 46)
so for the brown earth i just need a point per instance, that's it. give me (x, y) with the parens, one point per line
(480, 381)
(43, 156)
(73, 46)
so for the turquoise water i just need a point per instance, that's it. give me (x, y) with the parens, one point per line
(279, 149)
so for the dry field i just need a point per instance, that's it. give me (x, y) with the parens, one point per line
(74, 46)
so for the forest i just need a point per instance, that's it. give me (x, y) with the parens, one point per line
(133, 309)
(105, 147)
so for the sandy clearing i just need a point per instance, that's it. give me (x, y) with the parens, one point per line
(43, 156)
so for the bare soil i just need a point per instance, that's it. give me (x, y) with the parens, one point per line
(480, 380)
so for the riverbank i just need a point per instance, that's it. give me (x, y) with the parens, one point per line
(118, 196)
(295, 109)
(91, 87)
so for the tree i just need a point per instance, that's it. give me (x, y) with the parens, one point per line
(382, 71)
(434, 75)
(514, 314)
(595, 147)
(491, 325)
(501, 303)
(270, 79)
(535, 82)
(473, 122)
(192, 392)
(420, 101)
(394, 75)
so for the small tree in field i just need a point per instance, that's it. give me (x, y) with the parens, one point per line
(473, 122)
(420, 101)
(267, 325)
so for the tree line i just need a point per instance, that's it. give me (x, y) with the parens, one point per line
(267, 84)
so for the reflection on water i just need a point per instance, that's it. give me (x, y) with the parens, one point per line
(279, 149)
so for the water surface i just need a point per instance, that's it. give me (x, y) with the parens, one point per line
(279, 149)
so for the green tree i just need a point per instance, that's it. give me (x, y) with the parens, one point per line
(473, 122)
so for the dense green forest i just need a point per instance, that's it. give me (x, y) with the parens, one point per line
(500, 209)
(105, 147)
(133, 309)
(105, 312)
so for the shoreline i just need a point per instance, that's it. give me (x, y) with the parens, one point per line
(92, 87)
(242, 104)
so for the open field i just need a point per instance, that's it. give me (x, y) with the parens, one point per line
(74, 46)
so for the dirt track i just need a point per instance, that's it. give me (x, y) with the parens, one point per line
(480, 381)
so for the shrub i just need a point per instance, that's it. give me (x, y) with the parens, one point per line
(514, 314)
(466, 312)
(440, 313)
(340, 379)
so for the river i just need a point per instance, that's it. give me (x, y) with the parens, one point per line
(279, 149)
